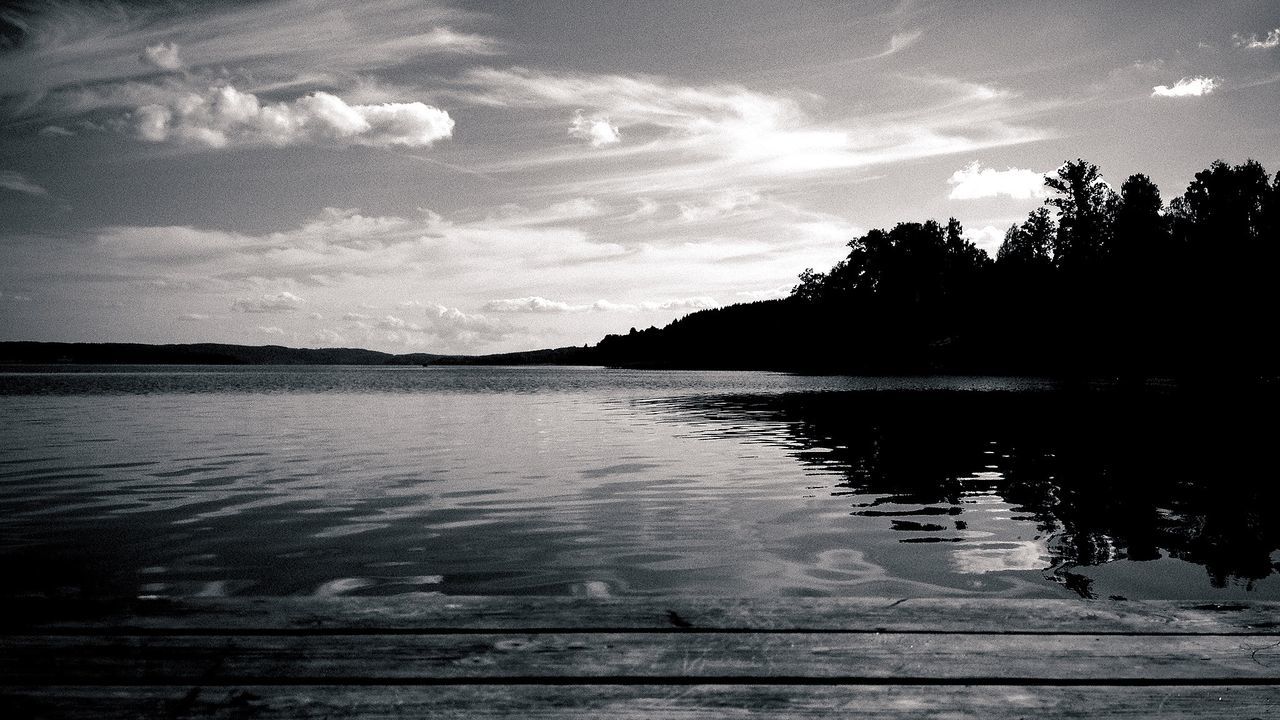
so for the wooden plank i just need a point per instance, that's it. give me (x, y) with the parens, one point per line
(442, 613)
(649, 657)
(698, 702)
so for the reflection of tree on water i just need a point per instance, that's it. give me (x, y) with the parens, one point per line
(1105, 475)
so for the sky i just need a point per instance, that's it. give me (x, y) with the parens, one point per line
(476, 177)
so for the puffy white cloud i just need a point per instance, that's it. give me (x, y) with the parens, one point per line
(391, 322)
(56, 131)
(531, 304)
(17, 182)
(222, 115)
(284, 301)
(443, 328)
(1270, 40)
(1186, 87)
(974, 181)
(162, 55)
(193, 317)
(597, 130)
(606, 306)
(270, 330)
(428, 325)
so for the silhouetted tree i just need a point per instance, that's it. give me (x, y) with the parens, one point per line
(1085, 206)
(1224, 204)
(1094, 281)
(1029, 244)
(810, 287)
(1271, 215)
(1136, 282)
(1141, 232)
(1229, 269)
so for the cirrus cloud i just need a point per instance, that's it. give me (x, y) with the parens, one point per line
(17, 182)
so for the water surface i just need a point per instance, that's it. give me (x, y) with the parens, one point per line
(339, 480)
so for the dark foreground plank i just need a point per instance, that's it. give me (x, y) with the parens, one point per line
(696, 702)
(651, 657)
(436, 656)
(438, 612)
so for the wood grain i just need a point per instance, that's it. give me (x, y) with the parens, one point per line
(443, 613)
(581, 656)
(697, 702)
(447, 657)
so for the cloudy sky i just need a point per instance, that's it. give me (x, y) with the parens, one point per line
(409, 175)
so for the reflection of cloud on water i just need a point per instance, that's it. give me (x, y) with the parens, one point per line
(991, 557)
(847, 572)
(989, 515)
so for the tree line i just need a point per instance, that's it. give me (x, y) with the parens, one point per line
(1095, 281)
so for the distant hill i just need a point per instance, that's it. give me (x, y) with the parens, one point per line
(554, 356)
(50, 353)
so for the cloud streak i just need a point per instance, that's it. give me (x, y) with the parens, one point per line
(686, 137)
(899, 41)
(17, 182)
(68, 45)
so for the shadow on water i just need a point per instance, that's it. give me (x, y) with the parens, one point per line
(1105, 476)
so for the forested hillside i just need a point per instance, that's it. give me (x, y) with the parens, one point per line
(1097, 280)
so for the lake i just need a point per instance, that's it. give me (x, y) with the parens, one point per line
(206, 481)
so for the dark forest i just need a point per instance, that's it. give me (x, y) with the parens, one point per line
(1095, 281)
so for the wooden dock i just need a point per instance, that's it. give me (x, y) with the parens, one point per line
(467, 657)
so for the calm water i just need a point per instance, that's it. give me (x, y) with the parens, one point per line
(284, 481)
